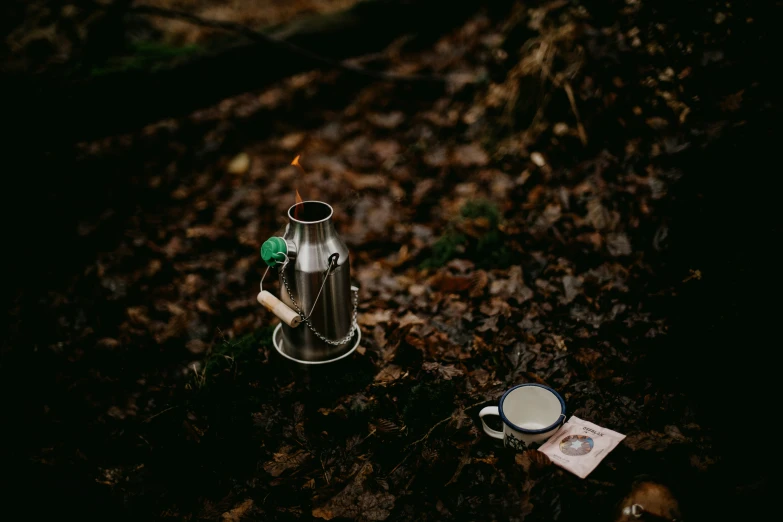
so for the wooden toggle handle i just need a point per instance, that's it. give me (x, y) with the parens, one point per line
(279, 308)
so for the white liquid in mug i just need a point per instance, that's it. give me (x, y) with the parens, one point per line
(532, 425)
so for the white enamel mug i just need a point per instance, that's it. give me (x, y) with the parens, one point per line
(531, 413)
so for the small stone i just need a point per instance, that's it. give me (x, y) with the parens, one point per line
(240, 164)
(538, 159)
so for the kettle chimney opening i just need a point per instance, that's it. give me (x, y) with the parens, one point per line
(310, 212)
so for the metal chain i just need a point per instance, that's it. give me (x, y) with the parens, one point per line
(309, 324)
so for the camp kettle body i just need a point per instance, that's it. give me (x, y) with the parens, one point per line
(317, 304)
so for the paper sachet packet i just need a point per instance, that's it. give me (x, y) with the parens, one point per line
(579, 446)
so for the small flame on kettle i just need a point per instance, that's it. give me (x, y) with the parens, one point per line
(299, 202)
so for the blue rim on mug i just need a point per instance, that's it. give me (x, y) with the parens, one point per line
(524, 430)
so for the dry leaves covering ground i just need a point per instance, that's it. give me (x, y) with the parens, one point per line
(512, 229)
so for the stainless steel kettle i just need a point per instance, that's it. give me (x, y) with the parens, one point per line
(317, 303)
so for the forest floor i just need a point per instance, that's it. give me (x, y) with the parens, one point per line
(517, 224)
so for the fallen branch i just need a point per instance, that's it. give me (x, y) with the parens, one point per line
(282, 45)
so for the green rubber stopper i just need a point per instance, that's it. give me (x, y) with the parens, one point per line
(274, 250)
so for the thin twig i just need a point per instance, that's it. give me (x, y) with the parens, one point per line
(425, 437)
(260, 37)
(579, 127)
(160, 413)
(367, 437)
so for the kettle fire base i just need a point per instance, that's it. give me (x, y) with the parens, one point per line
(277, 340)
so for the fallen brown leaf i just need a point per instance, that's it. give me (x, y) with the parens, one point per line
(445, 282)
(387, 121)
(285, 459)
(389, 373)
(364, 181)
(489, 459)
(236, 514)
(445, 371)
(478, 283)
(532, 460)
(491, 323)
(357, 502)
(410, 319)
(618, 244)
(196, 346)
(470, 155)
(436, 157)
(481, 376)
(385, 149)
(138, 315)
(378, 316)
(206, 231)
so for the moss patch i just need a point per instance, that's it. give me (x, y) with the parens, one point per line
(235, 356)
(474, 235)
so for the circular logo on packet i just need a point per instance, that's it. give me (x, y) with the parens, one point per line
(576, 445)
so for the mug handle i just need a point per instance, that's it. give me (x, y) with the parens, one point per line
(490, 410)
